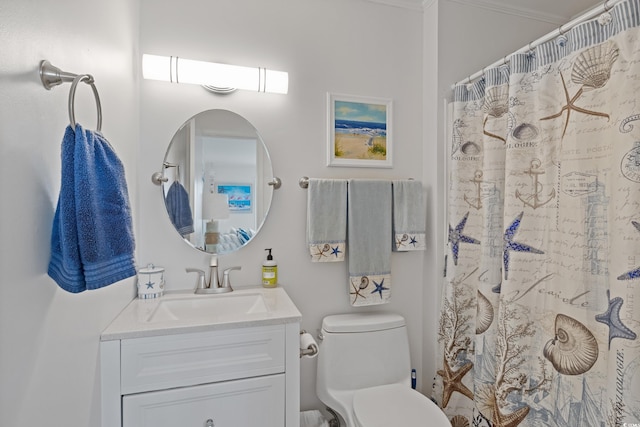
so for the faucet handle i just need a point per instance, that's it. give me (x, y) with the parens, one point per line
(226, 283)
(200, 282)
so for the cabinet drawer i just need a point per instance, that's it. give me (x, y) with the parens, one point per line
(156, 363)
(242, 403)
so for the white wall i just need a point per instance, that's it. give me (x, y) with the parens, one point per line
(49, 338)
(352, 47)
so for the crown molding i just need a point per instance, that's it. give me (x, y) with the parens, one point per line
(503, 7)
(492, 5)
(405, 4)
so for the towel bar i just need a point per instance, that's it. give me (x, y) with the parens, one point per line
(304, 182)
(51, 76)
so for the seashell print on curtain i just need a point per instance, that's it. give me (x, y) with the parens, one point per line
(540, 312)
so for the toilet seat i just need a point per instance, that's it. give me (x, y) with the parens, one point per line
(395, 405)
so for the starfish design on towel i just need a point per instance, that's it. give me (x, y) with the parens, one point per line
(413, 241)
(364, 282)
(379, 287)
(452, 381)
(322, 250)
(611, 317)
(635, 273)
(456, 236)
(511, 245)
(401, 240)
(335, 251)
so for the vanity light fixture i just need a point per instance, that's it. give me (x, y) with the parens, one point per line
(213, 75)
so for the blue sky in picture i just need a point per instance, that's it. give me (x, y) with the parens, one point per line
(360, 112)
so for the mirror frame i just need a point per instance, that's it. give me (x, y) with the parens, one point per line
(262, 180)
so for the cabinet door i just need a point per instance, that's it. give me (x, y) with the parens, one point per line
(242, 403)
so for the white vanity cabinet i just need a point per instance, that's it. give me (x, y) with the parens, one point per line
(242, 374)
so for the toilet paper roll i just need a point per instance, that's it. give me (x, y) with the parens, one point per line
(308, 346)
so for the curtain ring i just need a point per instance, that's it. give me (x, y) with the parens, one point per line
(605, 17)
(468, 85)
(561, 39)
(72, 92)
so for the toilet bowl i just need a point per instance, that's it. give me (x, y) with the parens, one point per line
(364, 373)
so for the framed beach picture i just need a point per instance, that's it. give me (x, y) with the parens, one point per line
(240, 196)
(359, 131)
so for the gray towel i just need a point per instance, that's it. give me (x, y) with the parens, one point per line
(409, 216)
(369, 219)
(327, 219)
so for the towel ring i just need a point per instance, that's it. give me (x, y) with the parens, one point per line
(72, 93)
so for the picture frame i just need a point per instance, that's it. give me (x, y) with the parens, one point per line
(240, 196)
(359, 131)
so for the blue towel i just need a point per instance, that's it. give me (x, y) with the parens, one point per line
(177, 202)
(409, 216)
(369, 228)
(92, 242)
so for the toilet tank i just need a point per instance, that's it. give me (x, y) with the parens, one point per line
(362, 350)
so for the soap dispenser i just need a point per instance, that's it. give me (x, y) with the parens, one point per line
(269, 271)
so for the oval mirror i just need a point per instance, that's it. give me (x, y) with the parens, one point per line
(218, 181)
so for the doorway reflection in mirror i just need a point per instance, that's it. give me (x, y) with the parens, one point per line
(215, 207)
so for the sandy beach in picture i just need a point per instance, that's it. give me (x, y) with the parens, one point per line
(358, 146)
(359, 130)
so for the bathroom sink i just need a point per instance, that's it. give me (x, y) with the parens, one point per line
(210, 306)
(183, 311)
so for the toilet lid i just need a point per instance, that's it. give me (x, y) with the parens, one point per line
(395, 405)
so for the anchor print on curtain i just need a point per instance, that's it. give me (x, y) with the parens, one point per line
(540, 310)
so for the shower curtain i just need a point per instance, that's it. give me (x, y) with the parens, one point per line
(540, 310)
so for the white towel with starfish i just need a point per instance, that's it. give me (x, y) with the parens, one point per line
(369, 228)
(409, 216)
(327, 219)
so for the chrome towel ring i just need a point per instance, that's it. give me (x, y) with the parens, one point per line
(51, 76)
(87, 78)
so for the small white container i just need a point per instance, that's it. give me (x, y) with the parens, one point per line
(150, 282)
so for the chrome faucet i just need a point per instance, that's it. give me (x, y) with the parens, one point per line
(213, 286)
(214, 281)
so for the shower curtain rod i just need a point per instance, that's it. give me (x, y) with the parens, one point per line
(604, 7)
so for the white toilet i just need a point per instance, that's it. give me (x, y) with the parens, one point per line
(364, 373)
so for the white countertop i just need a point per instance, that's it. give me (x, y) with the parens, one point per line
(134, 320)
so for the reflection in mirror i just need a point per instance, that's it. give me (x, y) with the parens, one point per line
(217, 191)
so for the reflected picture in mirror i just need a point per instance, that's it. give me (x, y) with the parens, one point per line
(217, 190)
